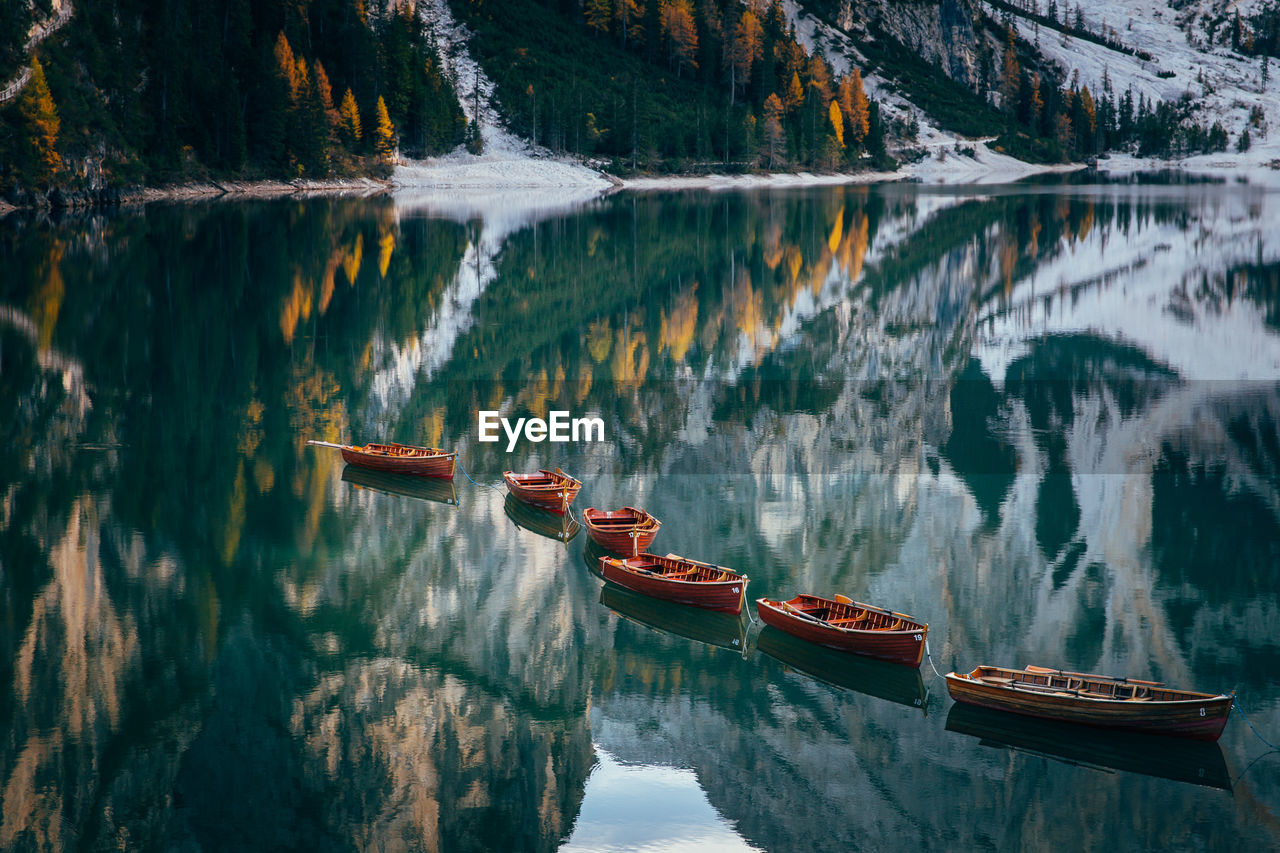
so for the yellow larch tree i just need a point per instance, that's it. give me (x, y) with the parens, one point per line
(745, 49)
(794, 94)
(325, 89)
(837, 122)
(41, 117)
(287, 65)
(773, 132)
(629, 14)
(856, 107)
(384, 132)
(1010, 82)
(349, 120)
(682, 34)
(598, 14)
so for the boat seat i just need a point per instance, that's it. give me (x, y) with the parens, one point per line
(1139, 698)
(1093, 694)
(995, 679)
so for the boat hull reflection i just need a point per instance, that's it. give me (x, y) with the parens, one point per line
(432, 489)
(552, 525)
(1179, 759)
(877, 678)
(591, 554)
(712, 627)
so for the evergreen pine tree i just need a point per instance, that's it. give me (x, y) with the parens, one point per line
(875, 136)
(15, 22)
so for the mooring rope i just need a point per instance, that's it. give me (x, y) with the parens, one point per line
(1235, 703)
(473, 482)
(930, 657)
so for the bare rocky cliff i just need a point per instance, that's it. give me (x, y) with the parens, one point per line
(944, 33)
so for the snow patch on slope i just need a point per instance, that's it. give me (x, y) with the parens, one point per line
(1232, 83)
(952, 159)
(974, 162)
(508, 160)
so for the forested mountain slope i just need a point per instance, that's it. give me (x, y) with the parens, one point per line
(678, 85)
(131, 92)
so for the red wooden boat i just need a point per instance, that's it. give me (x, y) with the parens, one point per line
(550, 490)
(849, 626)
(1094, 700)
(677, 579)
(397, 458)
(622, 531)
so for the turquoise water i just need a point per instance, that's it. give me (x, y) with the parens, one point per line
(1044, 419)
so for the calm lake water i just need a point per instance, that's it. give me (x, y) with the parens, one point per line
(1044, 419)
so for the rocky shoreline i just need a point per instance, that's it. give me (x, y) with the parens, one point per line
(59, 199)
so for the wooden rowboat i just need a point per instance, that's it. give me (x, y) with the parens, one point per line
(397, 458)
(549, 490)
(622, 531)
(1094, 700)
(676, 579)
(848, 626)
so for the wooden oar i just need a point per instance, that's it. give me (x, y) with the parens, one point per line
(327, 444)
(1044, 670)
(789, 609)
(844, 599)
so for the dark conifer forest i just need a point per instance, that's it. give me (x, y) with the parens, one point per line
(149, 92)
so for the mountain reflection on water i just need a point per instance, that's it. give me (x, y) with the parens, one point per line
(1045, 420)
